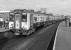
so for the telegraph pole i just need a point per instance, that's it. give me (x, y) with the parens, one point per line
(67, 20)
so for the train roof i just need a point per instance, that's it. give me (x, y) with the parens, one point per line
(4, 11)
(31, 11)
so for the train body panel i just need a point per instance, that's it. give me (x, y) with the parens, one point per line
(26, 25)
(40, 18)
(11, 25)
(4, 18)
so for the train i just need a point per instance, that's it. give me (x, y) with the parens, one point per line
(24, 22)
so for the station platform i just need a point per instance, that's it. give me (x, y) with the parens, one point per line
(62, 38)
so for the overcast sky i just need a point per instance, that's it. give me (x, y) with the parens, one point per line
(55, 6)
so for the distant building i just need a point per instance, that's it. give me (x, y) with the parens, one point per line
(43, 10)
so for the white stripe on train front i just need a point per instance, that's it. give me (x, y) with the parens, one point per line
(11, 25)
(24, 25)
(17, 24)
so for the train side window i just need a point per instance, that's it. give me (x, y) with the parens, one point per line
(11, 18)
(47, 18)
(35, 18)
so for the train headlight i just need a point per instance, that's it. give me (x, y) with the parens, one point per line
(1, 19)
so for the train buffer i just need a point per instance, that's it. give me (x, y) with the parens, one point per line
(62, 38)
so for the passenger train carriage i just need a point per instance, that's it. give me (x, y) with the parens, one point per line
(24, 22)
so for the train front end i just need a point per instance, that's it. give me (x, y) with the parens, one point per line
(19, 23)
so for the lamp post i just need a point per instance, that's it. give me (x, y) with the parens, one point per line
(67, 21)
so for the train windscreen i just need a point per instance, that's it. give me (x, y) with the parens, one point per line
(24, 17)
(11, 17)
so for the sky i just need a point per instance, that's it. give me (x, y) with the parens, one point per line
(53, 6)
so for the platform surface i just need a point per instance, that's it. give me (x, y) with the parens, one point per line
(63, 38)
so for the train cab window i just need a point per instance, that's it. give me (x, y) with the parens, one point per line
(24, 17)
(11, 18)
